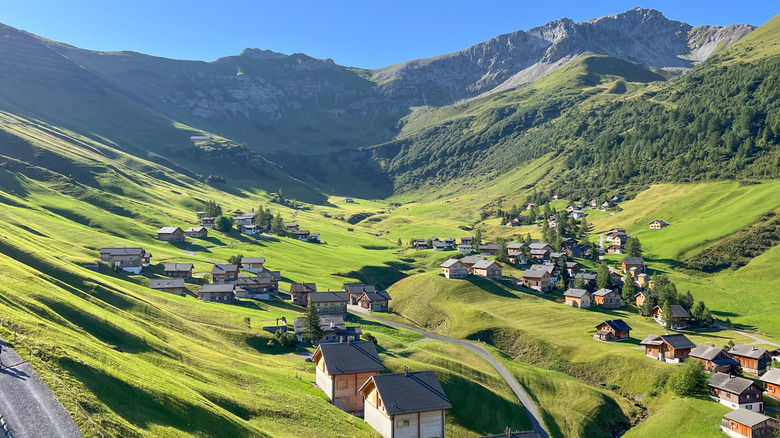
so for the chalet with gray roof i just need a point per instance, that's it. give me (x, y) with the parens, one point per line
(170, 234)
(299, 292)
(633, 262)
(714, 359)
(488, 269)
(608, 299)
(197, 232)
(375, 301)
(253, 264)
(470, 261)
(736, 392)
(466, 240)
(517, 257)
(668, 348)
(613, 330)
(207, 222)
(129, 259)
(771, 380)
(542, 255)
(454, 268)
(488, 249)
(751, 359)
(333, 327)
(409, 404)
(355, 290)
(743, 423)
(330, 303)
(465, 248)
(258, 287)
(342, 369)
(579, 298)
(171, 285)
(537, 280)
(217, 293)
(440, 246)
(680, 316)
(224, 273)
(658, 224)
(540, 246)
(178, 270)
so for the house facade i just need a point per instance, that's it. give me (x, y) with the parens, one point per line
(713, 359)
(408, 404)
(633, 262)
(178, 270)
(171, 285)
(736, 392)
(658, 224)
(299, 292)
(334, 330)
(217, 293)
(330, 303)
(224, 273)
(613, 330)
(751, 359)
(579, 298)
(743, 423)
(253, 264)
(170, 234)
(129, 259)
(771, 381)
(198, 232)
(355, 291)
(680, 316)
(488, 269)
(343, 368)
(454, 268)
(537, 280)
(375, 301)
(608, 299)
(668, 348)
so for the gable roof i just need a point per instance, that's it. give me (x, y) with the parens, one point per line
(328, 297)
(178, 267)
(772, 376)
(221, 268)
(303, 288)
(603, 292)
(633, 260)
(470, 260)
(166, 283)
(576, 293)
(484, 264)
(543, 267)
(381, 295)
(488, 246)
(405, 393)
(195, 230)
(706, 352)
(678, 341)
(122, 251)
(678, 311)
(217, 288)
(258, 260)
(169, 230)
(514, 245)
(746, 417)
(725, 382)
(528, 273)
(450, 263)
(617, 325)
(538, 245)
(349, 358)
(587, 276)
(747, 351)
(358, 288)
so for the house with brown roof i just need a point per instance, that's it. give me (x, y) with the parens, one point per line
(680, 316)
(714, 359)
(743, 423)
(488, 269)
(170, 234)
(466, 240)
(579, 298)
(537, 280)
(751, 359)
(408, 404)
(658, 224)
(341, 369)
(178, 270)
(291, 227)
(355, 290)
(333, 327)
(330, 303)
(217, 293)
(197, 232)
(613, 330)
(207, 222)
(299, 292)
(129, 259)
(171, 285)
(488, 249)
(736, 392)
(454, 268)
(253, 264)
(608, 299)
(629, 263)
(259, 287)
(771, 381)
(375, 301)
(224, 273)
(668, 348)
(245, 219)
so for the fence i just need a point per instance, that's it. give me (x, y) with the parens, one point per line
(3, 428)
(20, 341)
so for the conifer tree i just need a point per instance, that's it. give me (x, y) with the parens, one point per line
(312, 329)
(667, 315)
(602, 276)
(629, 289)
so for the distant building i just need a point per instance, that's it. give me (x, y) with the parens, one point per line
(375, 301)
(198, 232)
(537, 280)
(658, 224)
(608, 299)
(333, 328)
(217, 293)
(579, 298)
(129, 259)
(680, 316)
(253, 264)
(744, 423)
(178, 270)
(299, 292)
(714, 359)
(224, 273)
(355, 291)
(454, 268)
(771, 381)
(170, 285)
(488, 269)
(330, 303)
(170, 234)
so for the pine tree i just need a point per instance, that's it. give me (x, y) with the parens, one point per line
(667, 315)
(312, 330)
(579, 283)
(560, 284)
(546, 235)
(633, 247)
(277, 226)
(629, 289)
(502, 255)
(212, 209)
(527, 240)
(399, 243)
(477, 238)
(687, 301)
(602, 276)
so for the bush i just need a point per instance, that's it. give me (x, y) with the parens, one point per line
(368, 337)
(688, 380)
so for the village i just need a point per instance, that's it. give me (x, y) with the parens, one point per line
(349, 369)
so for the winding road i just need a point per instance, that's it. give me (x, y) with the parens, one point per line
(522, 396)
(28, 407)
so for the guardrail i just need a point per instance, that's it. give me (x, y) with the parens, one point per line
(4, 433)
(14, 328)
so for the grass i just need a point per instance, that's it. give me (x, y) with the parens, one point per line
(677, 415)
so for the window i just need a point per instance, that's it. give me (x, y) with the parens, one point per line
(341, 384)
(402, 423)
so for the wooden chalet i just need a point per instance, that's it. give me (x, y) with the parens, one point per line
(541, 255)
(245, 219)
(224, 273)
(551, 268)
(613, 330)
(259, 287)
(249, 230)
(129, 259)
(466, 240)
(465, 248)
(470, 261)
(658, 224)
(736, 392)
(517, 258)
(488, 269)
(217, 293)
(438, 245)
(408, 404)
(333, 327)
(171, 285)
(579, 298)
(355, 291)
(588, 278)
(375, 301)
(341, 369)
(615, 249)
(771, 380)
(668, 348)
(170, 234)
(488, 249)
(573, 268)
(253, 264)
(608, 299)
(714, 359)
(743, 423)
(299, 293)
(291, 227)
(198, 232)
(514, 246)
(751, 359)
(632, 262)
(537, 280)
(454, 268)
(421, 244)
(680, 316)
(207, 222)
(330, 303)
(540, 246)
(178, 270)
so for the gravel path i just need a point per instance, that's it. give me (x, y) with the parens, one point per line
(27, 405)
(522, 396)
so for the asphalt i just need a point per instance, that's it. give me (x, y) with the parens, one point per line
(28, 407)
(522, 396)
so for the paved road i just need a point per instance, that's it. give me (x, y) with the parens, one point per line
(756, 339)
(28, 406)
(522, 396)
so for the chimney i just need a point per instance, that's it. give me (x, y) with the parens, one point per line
(406, 371)
(333, 324)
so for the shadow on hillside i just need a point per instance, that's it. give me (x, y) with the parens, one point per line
(260, 344)
(146, 407)
(489, 286)
(380, 276)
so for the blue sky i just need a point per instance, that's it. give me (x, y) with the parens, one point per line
(363, 33)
